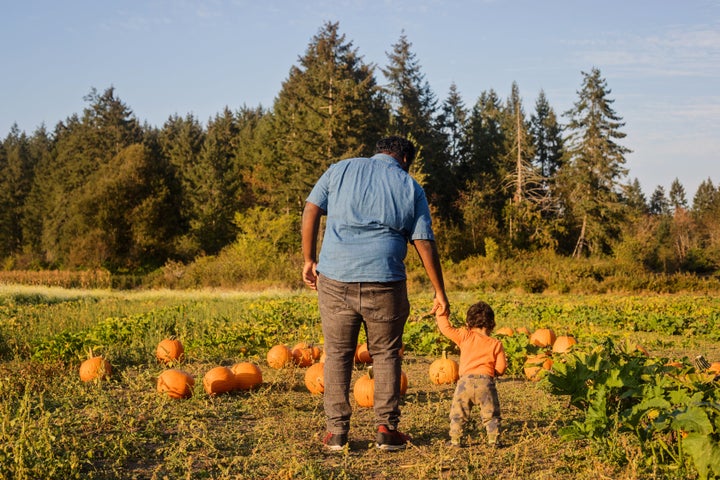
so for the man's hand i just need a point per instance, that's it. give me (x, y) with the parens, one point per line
(441, 305)
(310, 275)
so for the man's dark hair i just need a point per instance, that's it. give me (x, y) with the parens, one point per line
(480, 315)
(397, 146)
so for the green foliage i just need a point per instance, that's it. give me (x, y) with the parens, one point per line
(517, 347)
(673, 413)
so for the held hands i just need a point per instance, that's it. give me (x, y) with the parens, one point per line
(441, 306)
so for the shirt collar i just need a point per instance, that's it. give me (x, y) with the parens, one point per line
(387, 158)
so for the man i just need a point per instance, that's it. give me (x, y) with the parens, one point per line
(374, 208)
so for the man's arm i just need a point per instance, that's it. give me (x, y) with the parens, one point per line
(309, 232)
(431, 261)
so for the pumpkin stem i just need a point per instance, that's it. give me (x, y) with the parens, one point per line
(370, 371)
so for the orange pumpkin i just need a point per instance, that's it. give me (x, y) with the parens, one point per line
(247, 375)
(507, 331)
(364, 389)
(95, 368)
(218, 380)
(170, 350)
(536, 366)
(563, 343)
(714, 367)
(542, 337)
(302, 354)
(317, 352)
(362, 355)
(444, 370)
(176, 383)
(279, 356)
(403, 383)
(315, 378)
(523, 330)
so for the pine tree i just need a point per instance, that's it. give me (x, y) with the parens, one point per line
(329, 108)
(522, 179)
(659, 204)
(595, 166)
(634, 198)
(82, 147)
(16, 172)
(453, 124)
(678, 199)
(413, 114)
(547, 138)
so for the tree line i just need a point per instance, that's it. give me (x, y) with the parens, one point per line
(103, 190)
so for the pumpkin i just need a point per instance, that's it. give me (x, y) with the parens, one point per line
(247, 375)
(176, 383)
(362, 355)
(444, 370)
(317, 352)
(95, 368)
(279, 356)
(170, 350)
(507, 331)
(315, 378)
(563, 343)
(523, 330)
(536, 366)
(714, 367)
(403, 383)
(364, 389)
(542, 337)
(219, 380)
(302, 355)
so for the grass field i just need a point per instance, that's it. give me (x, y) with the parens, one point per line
(52, 425)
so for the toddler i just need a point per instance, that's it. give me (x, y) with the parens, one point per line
(482, 358)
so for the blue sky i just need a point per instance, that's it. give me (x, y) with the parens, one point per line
(660, 58)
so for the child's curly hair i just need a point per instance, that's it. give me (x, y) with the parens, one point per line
(480, 315)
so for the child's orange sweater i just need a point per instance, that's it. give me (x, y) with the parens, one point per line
(479, 353)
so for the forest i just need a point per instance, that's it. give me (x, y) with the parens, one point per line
(101, 191)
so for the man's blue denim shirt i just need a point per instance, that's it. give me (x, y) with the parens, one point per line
(374, 208)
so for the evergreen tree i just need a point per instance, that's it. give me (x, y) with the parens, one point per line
(486, 138)
(453, 124)
(634, 198)
(82, 147)
(213, 186)
(547, 138)
(523, 180)
(40, 148)
(16, 172)
(181, 141)
(706, 197)
(126, 205)
(595, 165)
(329, 108)
(659, 204)
(413, 114)
(678, 199)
